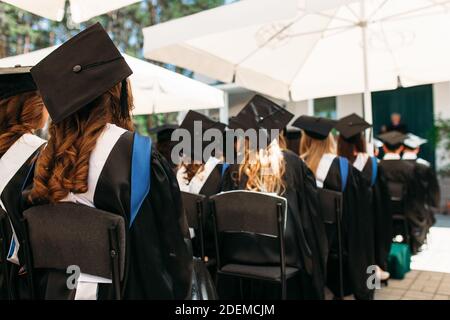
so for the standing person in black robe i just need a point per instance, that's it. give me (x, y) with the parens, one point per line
(93, 158)
(429, 184)
(397, 124)
(21, 113)
(318, 150)
(280, 172)
(398, 171)
(352, 145)
(163, 143)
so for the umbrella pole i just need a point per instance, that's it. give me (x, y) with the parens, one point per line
(367, 106)
(223, 112)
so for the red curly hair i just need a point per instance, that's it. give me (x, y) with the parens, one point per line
(63, 166)
(19, 114)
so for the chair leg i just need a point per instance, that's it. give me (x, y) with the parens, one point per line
(114, 252)
(340, 257)
(28, 259)
(3, 261)
(241, 289)
(283, 288)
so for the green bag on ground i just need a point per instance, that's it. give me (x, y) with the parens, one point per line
(399, 260)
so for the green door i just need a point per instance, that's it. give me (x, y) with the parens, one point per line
(415, 104)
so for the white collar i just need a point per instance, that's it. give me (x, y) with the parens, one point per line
(409, 156)
(323, 168)
(391, 156)
(199, 179)
(16, 156)
(103, 147)
(360, 161)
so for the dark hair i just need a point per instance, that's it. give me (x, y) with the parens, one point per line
(346, 147)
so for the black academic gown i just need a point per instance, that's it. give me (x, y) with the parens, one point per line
(381, 212)
(405, 172)
(306, 243)
(357, 236)
(11, 198)
(159, 262)
(429, 185)
(428, 199)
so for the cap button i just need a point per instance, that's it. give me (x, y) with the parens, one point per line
(76, 68)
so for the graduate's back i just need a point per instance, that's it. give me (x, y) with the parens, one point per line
(94, 159)
(21, 112)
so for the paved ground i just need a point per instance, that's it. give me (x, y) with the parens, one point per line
(430, 277)
(417, 285)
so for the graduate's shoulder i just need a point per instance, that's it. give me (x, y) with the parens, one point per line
(291, 158)
(401, 164)
(423, 162)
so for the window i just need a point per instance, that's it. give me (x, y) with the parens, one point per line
(325, 107)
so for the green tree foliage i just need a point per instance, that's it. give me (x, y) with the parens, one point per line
(442, 138)
(22, 32)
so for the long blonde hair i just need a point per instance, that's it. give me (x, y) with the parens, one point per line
(312, 150)
(264, 168)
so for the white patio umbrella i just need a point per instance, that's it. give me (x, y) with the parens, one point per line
(155, 89)
(353, 46)
(81, 10)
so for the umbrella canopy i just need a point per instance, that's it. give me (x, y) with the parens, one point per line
(350, 47)
(81, 10)
(155, 89)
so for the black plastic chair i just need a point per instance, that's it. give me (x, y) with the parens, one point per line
(194, 208)
(65, 234)
(255, 213)
(4, 246)
(397, 193)
(331, 208)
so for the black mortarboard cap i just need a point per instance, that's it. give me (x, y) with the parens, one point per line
(392, 139)
(79, 71)
(261, 113)
(315, 127)
(351, 125)
(197, 136)
(164, 132)
(15, 80)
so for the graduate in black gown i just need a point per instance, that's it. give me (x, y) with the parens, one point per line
(318, 150)
(195, 173)
(199, 175)
(163, 142)
(429, 184)
(403, 172)
(21, 113)
(93, 158)
(429, 180)
(353, 146)
(288, 177)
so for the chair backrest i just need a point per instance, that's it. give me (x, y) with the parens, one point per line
(67, 234)
(247, 211)
(192, 204)
(330, 203)
(397, 192)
